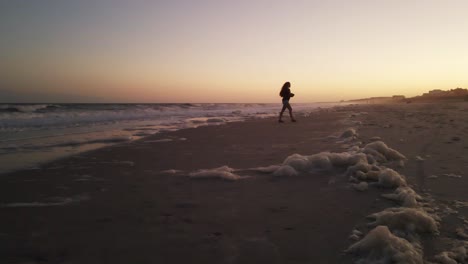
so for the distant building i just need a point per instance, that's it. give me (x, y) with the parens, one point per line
(452, 93)
(436, 92)
(398, 97)
(458, 92)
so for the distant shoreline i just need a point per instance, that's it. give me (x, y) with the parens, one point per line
(453, 95)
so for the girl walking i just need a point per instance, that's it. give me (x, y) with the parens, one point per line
(286, 94)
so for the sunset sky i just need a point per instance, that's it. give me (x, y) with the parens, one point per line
(229, 51)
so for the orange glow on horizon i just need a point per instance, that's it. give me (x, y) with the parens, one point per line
(235, 51)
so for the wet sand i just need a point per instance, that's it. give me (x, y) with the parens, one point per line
(436, 133)
(118, 205)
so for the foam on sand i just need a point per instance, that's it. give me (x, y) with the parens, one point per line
(395, 237)
(349, 133)
(405, 196)
(452, 175)
(363, 163)
(324, 161)
(285, 171)
(267, 169)
(223, 172)
(355, 235)
(461, 233)
(54, 201)
(389, 178)
(457, 255)
(381, 246)
(362, 186)
(382, 153)
(460, 204)
(409, 220)
(299, 162)
(360, 175)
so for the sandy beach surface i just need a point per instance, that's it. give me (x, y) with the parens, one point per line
(148, 202)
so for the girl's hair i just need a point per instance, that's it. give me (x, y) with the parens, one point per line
(286, 85)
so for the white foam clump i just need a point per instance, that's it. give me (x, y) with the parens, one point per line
(298, 162)
(364, 172)
(223, 172)
(458, 255)
(322, 161)
(355, 235)
(267, 169)
(362, 186)
(405, 196)
(349, 133)
(460, 204)
(452, 175)
(389, 178)
(419, 158)
(285, 171)
(461, 233)
(409, 220)
(382, 153)
(381, 246)
(361, 163)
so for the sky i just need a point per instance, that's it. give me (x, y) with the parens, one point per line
(162, 51)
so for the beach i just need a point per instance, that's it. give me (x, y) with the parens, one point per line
(158, 199)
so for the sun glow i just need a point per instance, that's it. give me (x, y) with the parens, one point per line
(243, 51)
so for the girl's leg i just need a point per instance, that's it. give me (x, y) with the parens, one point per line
(290, 113)
(281, 113)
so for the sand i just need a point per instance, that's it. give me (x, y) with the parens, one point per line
(142, 202)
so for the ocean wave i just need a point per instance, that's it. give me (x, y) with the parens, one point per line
(51, 115)
(36, 129)
(26, 108)
(67, 143)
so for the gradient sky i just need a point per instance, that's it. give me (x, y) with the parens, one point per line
(230, 51)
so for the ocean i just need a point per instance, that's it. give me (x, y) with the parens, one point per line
(31, 134)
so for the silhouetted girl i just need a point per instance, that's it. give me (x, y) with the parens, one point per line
(286, 94)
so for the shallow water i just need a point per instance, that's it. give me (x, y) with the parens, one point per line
(31, 134)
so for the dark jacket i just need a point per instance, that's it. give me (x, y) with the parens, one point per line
(286, 94)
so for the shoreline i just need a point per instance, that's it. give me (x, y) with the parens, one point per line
(24, 146)
(120, 204)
